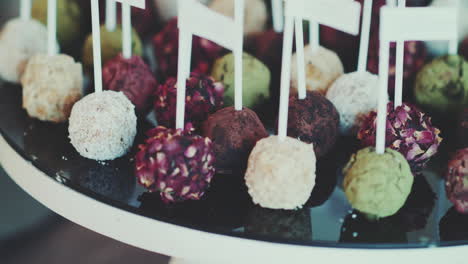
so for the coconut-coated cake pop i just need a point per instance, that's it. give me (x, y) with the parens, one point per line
(103, 125)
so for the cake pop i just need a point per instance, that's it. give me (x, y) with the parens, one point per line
(176, 163)
(408, 131)
(456, 180)
(134, 78)
(204, 97)
(281, 173)
(102, 125)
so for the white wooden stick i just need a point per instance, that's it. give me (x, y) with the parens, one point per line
(314, 35)
(238, 49)
(25, 9)
(382, 105)
(285, 78)
(111, 15)
(277, 12)
(96, 45)
(126, 31)
(183, 70)
(302, 93)
(52, 27)
(365, 33)
(400, 54)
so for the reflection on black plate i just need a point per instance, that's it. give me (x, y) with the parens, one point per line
(358, 229)
(226, 208)
(279, 224)
(453, 226)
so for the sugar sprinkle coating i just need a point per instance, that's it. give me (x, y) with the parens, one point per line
(103, 125)
(281, 173)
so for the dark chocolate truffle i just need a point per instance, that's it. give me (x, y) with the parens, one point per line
(314, 120)
(234, 134)
(132, 77)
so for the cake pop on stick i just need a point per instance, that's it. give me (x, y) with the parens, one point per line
(321, 66)
(52, 82)
(128, 73)
(313, 118)
(281, 169)
(102, 125)
(17, 48)
(175, 162)
(355, 94)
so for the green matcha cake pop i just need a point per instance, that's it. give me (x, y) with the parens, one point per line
(68, 19)
(377, 184)
(111, 46)
(442, 85)
(256, 80)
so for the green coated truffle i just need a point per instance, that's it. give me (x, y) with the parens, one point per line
(377, 184)
(255, 80)
(111, 46)
(68, 20)
(442, 85)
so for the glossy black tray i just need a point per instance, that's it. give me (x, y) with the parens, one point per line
(426, 220)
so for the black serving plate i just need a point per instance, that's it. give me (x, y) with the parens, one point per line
(328, 220)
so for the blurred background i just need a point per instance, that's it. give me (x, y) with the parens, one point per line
(31, 233)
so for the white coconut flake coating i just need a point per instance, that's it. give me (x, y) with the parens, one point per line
(51, 86)
(322, 68)
(281, 174)
(354, 96)
(19, 41)
(103, 125)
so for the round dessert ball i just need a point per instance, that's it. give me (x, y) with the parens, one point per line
(462, 129)
(323, 67)
(354, 95)
(68, 20)
(134, 78)
(377, 184)
(234, 135)
(408, 131)
(204, 96)
(166, 51)
(255, 16)
(442, 85)
(16, 49)
(456, 180)
(176, 163)
(255, 80)
(102, 125)
(281, 173)
(51, 86)
(167, 9)
(111, 46)
(314, 120)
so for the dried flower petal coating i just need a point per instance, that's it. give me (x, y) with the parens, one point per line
(176, 163)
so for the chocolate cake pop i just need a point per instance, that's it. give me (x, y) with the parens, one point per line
(102, 125)
(51, 86)
(281, 173)
(456, 180)
(234, 135)
(176, 163)
(134, 78)
(314, 120)
(408, 130)
(204, 97)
